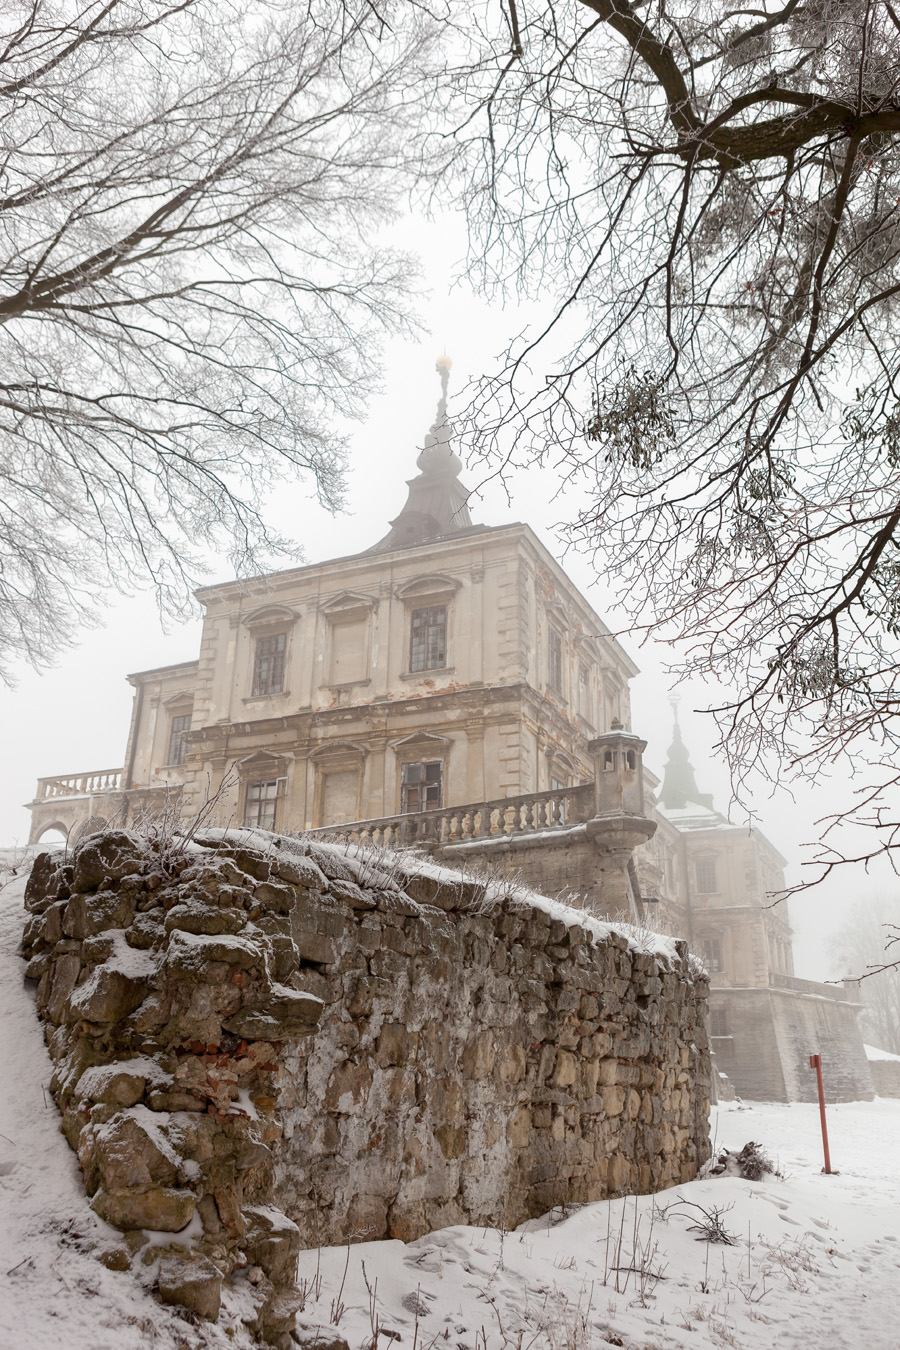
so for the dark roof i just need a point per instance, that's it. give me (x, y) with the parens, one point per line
(437, 504)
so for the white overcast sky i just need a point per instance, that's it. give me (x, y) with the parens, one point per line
(74, 717)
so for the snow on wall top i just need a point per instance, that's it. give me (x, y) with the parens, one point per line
(366, 861)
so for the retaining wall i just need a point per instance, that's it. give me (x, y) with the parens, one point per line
(264, 1043)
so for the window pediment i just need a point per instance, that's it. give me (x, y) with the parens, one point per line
(270, 617)
(183, 699)
(339, 750)
(558, 615)
(587, 649)
(420, 738)
(436, 586)
(263, 762)
(420, 744)
(347, 606)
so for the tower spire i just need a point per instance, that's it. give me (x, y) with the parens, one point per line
(679, 787)
(437, 503)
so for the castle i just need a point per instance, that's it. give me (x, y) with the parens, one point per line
(450, 688)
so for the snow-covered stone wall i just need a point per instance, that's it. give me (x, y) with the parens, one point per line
(264, 1043)
(482, 1058)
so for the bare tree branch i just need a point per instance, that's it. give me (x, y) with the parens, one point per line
(190, 304)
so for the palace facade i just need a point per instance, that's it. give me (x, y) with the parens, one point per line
(450, 688)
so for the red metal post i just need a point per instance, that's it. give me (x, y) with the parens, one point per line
(815, 1062)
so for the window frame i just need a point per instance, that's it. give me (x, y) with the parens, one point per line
(257, 783)
(555, 660)
(257, 688)
(710, 862)
(180, 747)
(430, 628)
(406, 769)
(712, 953)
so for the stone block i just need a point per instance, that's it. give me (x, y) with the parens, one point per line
(613, 1100)
(86, 915)
(65, 972)
(394, 1044)
(111, 855)
(191, 1282)
(161, 1209)
(513, 1063)
(348, 1088)
(194, 917)
(609, 1072)
(272, 1241)
(108, 995)
(565, 1071)
(452, 1140)
(112, 1085)
(519, 1128)
(477, 1059)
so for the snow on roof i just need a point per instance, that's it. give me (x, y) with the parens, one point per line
(872, 1052)
(694, 816)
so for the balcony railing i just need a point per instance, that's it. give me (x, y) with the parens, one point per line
(80, 784)
(808, 986)
(534, 813)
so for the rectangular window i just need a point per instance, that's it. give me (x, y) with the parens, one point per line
(428, 638)
(707, 881)
(556, 679)
(268, 664)
(261, 803)
(420, 787)
(711, 951)
(718, 1022)
(584, 693)
(178, 739)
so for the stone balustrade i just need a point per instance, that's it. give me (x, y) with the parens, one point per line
(798, 986)
(532, 813)
(80, 784)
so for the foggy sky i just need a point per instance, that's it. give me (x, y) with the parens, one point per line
(74, 718)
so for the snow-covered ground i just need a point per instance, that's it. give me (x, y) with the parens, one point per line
(815, 1260)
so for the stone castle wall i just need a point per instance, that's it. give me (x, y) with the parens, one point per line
(780, 1029)
(886, 1076)
(482, 1063)
(258, 1048)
